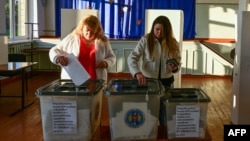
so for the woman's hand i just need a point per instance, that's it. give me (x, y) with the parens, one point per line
(141, 78)
(62, 60)
(172, 67)
(101, 64)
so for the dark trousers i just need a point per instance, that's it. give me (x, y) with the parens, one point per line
(168, 84)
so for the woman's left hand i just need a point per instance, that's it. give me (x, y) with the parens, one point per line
(172, 67)
(101, 64)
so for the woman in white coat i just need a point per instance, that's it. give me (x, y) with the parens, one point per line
(90, 45)
(156, 56)
(159, 54)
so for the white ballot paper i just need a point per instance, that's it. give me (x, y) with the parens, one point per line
(76, 71)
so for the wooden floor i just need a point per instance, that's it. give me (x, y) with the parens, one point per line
(27, 125)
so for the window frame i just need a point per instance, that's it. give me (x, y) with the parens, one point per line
(12, 31)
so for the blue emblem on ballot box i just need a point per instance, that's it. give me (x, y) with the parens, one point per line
(134, 118)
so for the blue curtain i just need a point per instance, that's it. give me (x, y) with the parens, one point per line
(125, 19)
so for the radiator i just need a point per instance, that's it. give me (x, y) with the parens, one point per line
(15, 48)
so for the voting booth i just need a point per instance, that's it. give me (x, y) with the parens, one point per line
(133, 109)
(70, 112)
(71, 17)
(186, 112)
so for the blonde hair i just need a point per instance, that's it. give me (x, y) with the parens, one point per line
(94, 24)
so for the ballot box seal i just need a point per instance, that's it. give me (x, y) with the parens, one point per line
(134, 118)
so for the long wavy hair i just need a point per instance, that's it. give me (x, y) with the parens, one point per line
(169, 43)
(94, 24)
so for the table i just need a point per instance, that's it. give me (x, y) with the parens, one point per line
(13, 69)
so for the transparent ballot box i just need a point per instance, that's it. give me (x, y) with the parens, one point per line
(186, 112)
(70, 112)
(133, 109)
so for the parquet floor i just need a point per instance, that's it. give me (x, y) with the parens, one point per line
(26, 125)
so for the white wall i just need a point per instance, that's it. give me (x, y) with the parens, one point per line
(196, 59)
(216, 20)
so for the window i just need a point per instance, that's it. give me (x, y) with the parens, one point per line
(16, 14)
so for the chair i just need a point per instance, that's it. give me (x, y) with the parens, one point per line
(18, 58)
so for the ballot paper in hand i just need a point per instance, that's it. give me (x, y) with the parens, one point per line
(76, 71)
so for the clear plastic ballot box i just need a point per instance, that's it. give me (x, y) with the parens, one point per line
(133, 109)
(186, 112)
(70, 112)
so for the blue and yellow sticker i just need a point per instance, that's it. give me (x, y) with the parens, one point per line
(134, 118)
